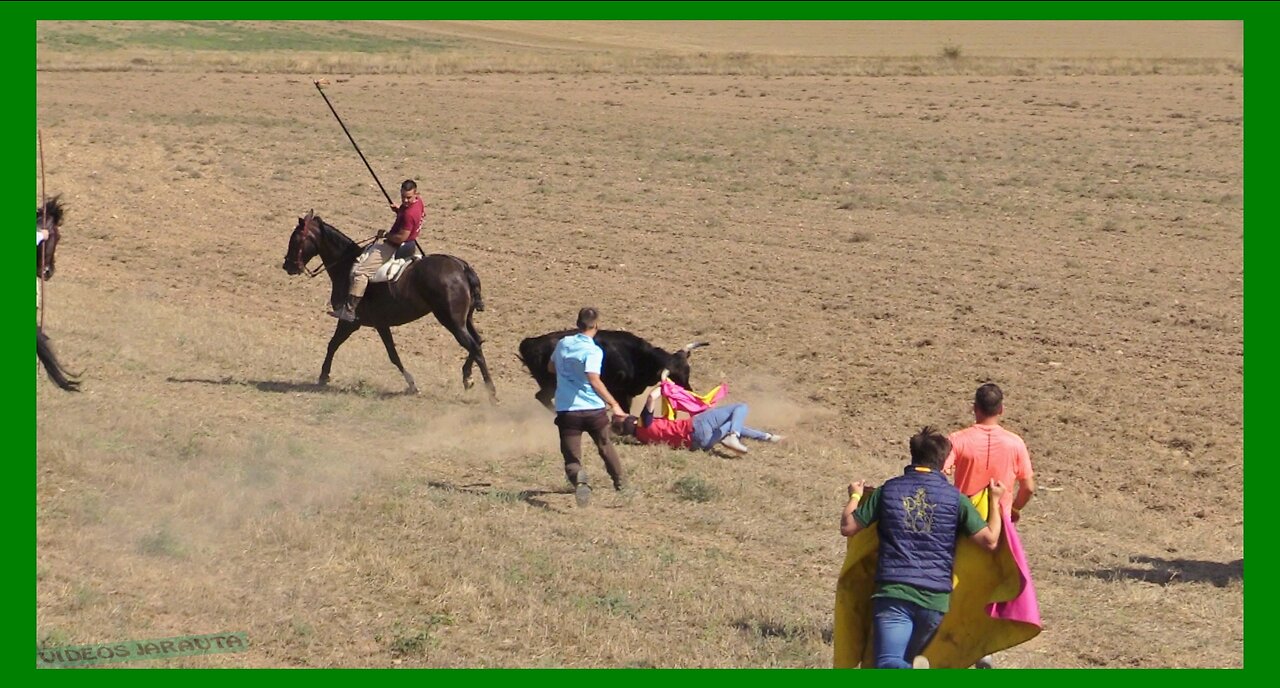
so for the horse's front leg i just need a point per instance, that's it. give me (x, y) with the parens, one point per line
(340, 335)
(387, 341)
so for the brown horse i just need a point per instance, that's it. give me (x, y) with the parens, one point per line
(438, 284)
(49, 218)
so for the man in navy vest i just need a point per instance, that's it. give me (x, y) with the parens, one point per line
(919, 517)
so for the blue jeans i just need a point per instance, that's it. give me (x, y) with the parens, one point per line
(902, 630)
(714, 424)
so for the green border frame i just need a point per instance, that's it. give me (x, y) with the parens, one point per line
(17, 42)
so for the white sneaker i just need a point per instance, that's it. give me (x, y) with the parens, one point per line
(732, 442)
(920, 662)
(987, 662)
(775, 438)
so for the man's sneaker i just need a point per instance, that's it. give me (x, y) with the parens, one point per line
(582, 491)
(987, 662)
(732, 442)
(920, 662)
(774, 438)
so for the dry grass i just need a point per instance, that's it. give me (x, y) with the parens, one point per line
(876, 248)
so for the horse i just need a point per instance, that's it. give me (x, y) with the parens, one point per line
(442, 285)
(49, 218)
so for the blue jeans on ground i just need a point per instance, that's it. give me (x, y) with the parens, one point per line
(714, 424)
(902, 630)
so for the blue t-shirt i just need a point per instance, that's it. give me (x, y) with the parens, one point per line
(574, 357)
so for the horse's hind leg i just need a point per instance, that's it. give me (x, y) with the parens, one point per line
(387, 341)
(340, 335)
(478, 357)
(474, 355)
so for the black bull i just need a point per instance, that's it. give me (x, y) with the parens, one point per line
(631, 364)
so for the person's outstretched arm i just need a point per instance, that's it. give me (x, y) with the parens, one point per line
(989, 537)
(849, 523)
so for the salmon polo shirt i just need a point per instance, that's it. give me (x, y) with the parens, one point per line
(982, 452)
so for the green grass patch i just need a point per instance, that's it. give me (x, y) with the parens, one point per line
(161, 543)
(692, 488)
(231, 36)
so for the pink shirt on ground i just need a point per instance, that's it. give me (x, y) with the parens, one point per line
(662, 431)
(982, 452)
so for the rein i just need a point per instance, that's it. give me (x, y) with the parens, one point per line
(324, 265)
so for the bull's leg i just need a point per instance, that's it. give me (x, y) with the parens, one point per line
(625, 402)
(340, 335)
(546, 396)
(387, 341)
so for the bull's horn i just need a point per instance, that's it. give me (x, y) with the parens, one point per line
(310, 214)
(666, 373)
(696, 345)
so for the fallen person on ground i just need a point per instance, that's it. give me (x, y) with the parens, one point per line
(723, 425)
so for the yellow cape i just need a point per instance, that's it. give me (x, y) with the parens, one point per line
(967, 632)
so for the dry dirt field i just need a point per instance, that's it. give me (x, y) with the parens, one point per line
(864, 241)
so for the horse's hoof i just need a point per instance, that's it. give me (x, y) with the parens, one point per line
(322, 381)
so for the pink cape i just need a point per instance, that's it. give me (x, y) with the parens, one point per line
(681, 399)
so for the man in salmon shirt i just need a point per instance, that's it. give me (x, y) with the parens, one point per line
(722, 425)
(984, 452)
(403, 234)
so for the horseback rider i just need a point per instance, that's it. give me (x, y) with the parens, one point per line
(398, 243)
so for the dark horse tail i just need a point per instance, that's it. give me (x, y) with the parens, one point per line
(473, 280)
(60, 377)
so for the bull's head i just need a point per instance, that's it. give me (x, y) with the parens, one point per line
(678, 369)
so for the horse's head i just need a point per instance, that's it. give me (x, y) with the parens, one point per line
(304, 244)
(48, 218)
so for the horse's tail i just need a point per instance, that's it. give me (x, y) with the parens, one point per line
(473, 280)
(60, 377)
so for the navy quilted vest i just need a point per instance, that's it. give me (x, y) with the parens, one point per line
(918, 522)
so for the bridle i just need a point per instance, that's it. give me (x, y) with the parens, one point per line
(310, 228)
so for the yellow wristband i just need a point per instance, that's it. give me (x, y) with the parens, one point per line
(855, 498)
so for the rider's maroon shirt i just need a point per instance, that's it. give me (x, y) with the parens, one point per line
(409, 215)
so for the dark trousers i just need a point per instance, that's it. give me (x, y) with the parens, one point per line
(595, 423)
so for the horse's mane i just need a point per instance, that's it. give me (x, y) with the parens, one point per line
(324, 227)
(53, 210)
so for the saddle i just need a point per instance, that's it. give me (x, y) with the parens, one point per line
(392, 269)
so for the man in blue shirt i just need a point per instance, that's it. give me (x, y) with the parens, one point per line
(919, 517)
(583, 404)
